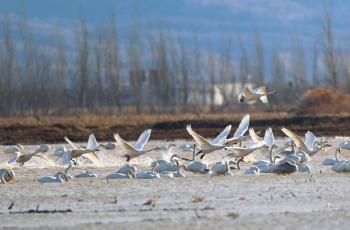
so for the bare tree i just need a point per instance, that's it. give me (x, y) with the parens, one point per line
(259, 67)
(83, 46)
(329, 52)
(299, 67)
(184, 69)
(211, 66)
(315, 72)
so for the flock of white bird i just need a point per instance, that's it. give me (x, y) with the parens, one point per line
(289, 158)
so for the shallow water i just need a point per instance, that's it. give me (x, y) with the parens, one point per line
(317, 200)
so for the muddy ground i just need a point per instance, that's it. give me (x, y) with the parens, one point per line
(54, 131)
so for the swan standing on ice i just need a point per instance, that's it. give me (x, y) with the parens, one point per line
(6, 175)
(89, 151)
(59, 177)
(133, 152)
(251, 96)
(207, 146)
(341, 165)
(22, 158)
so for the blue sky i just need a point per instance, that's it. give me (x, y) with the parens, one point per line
(277, 21)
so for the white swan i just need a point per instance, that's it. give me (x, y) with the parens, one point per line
(126, 168)
(238, 136)
(209, 146)
(117, 175)
(251, 96)
(241, 152)
(329, 161)
(195, 166)
(6, 175)
(222, 168)
(137, 150)
(22, 158)
(59, 177)
(88, 152)
(147, 175)
(341, 165)
(85, 174)
(311, 142)
(163, 165)
(300, 144)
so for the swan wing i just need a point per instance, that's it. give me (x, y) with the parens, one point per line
(269, 138)
(243, 126)
(261, 91)
(310, 139)
(247, 92)
(40, 156)
(92, 142)
(144, 137)
(92, 157)
(254, 136)
(297, 139)
(123, 144)
(71, 143)
(222, 136)
(198, 138)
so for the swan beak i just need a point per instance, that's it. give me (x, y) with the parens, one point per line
(97, 150)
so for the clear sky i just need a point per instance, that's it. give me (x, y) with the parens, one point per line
(277, 21)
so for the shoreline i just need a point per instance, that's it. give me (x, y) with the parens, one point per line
(52, 130)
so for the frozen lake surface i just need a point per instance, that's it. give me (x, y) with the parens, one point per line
(317, 200)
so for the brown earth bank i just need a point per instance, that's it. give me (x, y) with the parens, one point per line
(52, 130)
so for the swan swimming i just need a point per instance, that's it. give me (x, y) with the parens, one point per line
(137, 150)
(251, 96)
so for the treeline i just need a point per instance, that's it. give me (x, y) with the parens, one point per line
(155, 73)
